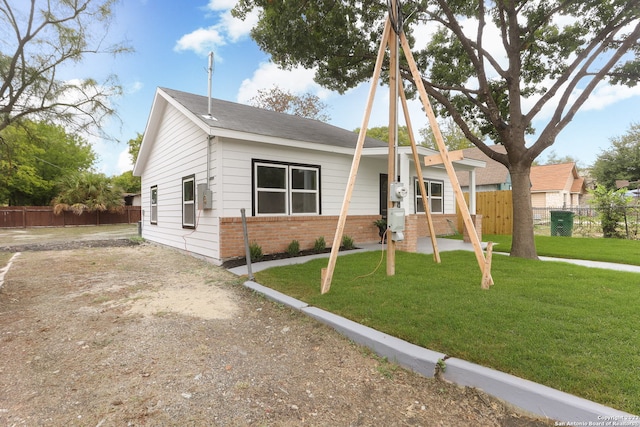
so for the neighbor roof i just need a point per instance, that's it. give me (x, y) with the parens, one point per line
(245, 118)
(555, 178)
(493, 173)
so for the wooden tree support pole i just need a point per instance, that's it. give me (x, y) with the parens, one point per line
(487, 280)
(393, 133)
(416, 160)
(327, 274)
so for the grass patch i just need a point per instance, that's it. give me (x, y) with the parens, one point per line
(568, 327)
(4, 258)
(589, 248)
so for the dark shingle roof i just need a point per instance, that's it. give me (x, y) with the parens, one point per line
(493, 174)
(244, 118)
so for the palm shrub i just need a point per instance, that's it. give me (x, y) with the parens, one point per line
(87, 191)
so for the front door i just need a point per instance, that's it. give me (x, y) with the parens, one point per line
(384, 188)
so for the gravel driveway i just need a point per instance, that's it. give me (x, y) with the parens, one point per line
(144, 335)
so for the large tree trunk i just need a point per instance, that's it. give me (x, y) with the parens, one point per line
(523, 244)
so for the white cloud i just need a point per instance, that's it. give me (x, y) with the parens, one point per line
(603, 97)
(124, 161)
(201, 41)
(221, 4)
(297, 81)
(237, 29)
(606, 95)
(227, 30)
(134, 87)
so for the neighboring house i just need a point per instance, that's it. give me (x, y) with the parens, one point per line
(288, 174)
(132, 199)
(493, 177)
(557, 186)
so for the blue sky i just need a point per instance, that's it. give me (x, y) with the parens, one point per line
(172, 40)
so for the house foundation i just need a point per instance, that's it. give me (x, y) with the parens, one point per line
(275, 233)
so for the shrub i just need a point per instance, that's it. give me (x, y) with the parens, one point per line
(255, 251)
(294, 248)
(610, 205)
(319, 245)
(347, 242)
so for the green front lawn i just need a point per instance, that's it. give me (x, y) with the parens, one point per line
(589, 248)
(568, 327)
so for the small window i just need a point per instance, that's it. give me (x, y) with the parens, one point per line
(285, 189)
(435, 190)
(188, 202)
(154, 204)
(271, 189)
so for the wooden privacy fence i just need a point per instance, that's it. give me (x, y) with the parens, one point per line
(43, 216)
(496, 208)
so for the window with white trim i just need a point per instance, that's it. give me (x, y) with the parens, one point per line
(154, 204)
(435, 191)
(189, 202)
(285, 189)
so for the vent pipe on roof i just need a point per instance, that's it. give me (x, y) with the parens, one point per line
(210, 69)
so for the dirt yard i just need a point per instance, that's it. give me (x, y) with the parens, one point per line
(143, 335)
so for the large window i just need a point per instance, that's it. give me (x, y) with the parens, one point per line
(188, 202)
(435, 190)
(154, 204)
(285, 189)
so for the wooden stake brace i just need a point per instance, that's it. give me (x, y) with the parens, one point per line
(436, 159)
(444, 158)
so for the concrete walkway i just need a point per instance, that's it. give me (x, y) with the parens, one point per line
(424, 246)
(533, 398)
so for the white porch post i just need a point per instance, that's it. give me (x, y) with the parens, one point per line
(472, 191)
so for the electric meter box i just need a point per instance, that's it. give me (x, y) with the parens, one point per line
(398, 192)
(395, 219)
(205, 197)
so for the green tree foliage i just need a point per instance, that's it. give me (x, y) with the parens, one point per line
(33, 156)
(454, 138)
(381, 133)
(127, 182)
(134, 147)
(548, 49)
(621, 161)
(41, 37)
(283, 101)
(611, 206)
(554, 159)
(87, 191)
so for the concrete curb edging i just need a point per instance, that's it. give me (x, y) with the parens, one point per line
(4, 270)
(276, 296)
(533, 398)
(418, 359)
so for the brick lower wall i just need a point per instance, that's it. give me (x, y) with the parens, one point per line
(274, 234)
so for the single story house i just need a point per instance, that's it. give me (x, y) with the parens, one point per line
(493, 177)
(203, 162)
(557, 186)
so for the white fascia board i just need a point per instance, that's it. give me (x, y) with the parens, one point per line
(150, 130)
(288, 143)
(464, 164)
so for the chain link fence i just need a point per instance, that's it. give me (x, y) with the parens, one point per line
(586, 221)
